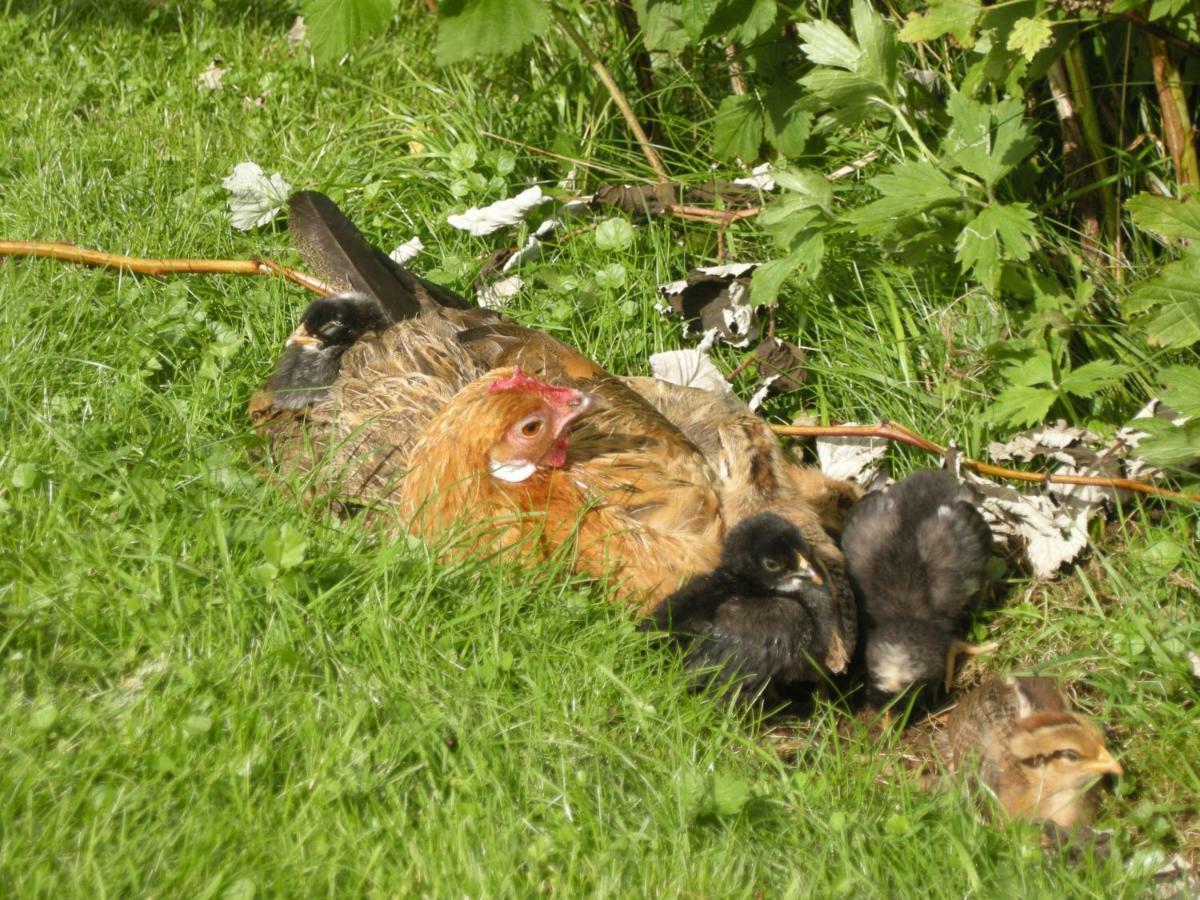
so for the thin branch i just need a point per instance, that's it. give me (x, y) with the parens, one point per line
(893, 432)
(617, 96)
(159, 267)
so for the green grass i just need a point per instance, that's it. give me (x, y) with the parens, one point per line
(209, 689)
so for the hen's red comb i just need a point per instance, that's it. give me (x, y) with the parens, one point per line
(520, 381)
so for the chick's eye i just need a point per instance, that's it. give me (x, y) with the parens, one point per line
(531, 428)
(771, 564)
(1070, 755)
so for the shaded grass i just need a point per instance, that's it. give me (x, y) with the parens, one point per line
(209, 689)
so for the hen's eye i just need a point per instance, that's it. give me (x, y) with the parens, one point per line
(531, 428)
(771, 564)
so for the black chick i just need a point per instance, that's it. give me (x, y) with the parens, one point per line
(916, 553)
(327, 329)
(763, 618)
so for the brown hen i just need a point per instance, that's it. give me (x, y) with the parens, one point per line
(391, 428)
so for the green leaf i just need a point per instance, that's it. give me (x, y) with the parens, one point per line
(999, 232)
(284, 548)
(738, 130)
(1028, 36)
(1163, 556)
(877, 41)
(1182, 389)
(44, 717)
(1091, 378)
(463, 156)
(1021, 406)
(24, 476)
(987, 140)
(786, 123)
(695, 15)
(1168, 445)
(1165, 217)
(615, 234)
(469, 29)
(755, 21)
(908, 188)
(662, 26)
(1172, 297)
(808, 185)
(1038, 369)
(956, 17)
(825, 44)
(806, 256)
(335, 26)
(848, 96)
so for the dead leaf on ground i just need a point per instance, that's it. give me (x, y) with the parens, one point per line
(406, 251)
(210, 78)
(482, 220)
(298, 33)
(715, 297)
(690, 368)
(854, 459)
(257, 198)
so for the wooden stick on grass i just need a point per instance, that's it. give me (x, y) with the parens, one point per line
(892, 432)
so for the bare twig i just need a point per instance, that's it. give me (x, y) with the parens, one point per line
(618, 97)
(892, 432)
(159, 267)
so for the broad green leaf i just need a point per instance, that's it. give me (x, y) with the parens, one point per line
(805, 257)
(1168, 445)
(1091, 378)
(1038, 369)
(956, 17)
(695, 15)
(848, 96)
(999, 232)
(284, 548)
(786, 124)
(335, 26)
(1172, 297)
(877, 42)
(1021, 406)
(615, 234)
(755, 18)
(1181, 389)
(809, 184)
(1165, 217)
(661, 25)
(987, 140)
(468, 29)
(1028, 36)
(825, 44)
(738, 130)
(787, 217)
(908, 189)
(24, 476)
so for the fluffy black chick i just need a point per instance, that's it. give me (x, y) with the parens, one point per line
(763, 618)
(916, 555)
(327, 329)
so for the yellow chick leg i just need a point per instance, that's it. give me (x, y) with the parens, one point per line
(962, 648)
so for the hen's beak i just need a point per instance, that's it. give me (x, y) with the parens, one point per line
(584, 405)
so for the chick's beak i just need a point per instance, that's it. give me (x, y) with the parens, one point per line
(302, 337)
(1104, 764)
(805, 573)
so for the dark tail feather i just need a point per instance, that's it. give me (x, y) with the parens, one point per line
(339, 253)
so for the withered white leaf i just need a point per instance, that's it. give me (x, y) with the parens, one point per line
(1051, 531)
(210, 78)
(851, 458)
(715, 297)
(691, 368)
(759, 177)
(298, 33)
(499, 293)
(481, 220)
(406, 251)
(257, 198)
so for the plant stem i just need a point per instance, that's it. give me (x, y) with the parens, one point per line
(615, 92)
(145, 266)
(1177, 125)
